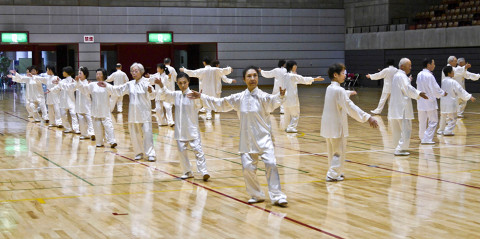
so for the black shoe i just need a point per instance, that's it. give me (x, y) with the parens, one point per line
(113, 145)
(92, 137)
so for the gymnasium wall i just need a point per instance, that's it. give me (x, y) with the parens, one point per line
(245, 36)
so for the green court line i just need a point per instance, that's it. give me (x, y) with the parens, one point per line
(66, 170)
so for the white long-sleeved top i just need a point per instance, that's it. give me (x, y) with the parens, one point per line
(173, 75)
(186, 113)
(166, 81)
(34, 89)
(449, 103)
(337, 106)
(140, 105)
(83, 101)
(218, 87)
(52, 97)
(426, 82)
(289, 82)
(118, 77)
(100, 98)
(67, 97)
(460, 73)
(208, 77)
(276, 73)
(387, 76)
(254, 109)
(400, 106)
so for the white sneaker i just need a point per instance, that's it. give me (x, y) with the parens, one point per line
(448, 134)
(281, 202)
(202, 110)
(431, 142)
(84, 137)
(187, 175)
(401, 153)
(291, 130)
(77, 132)
(51, 125)
(440, 132)
(282, 111)
(171, 124)
(460, 116)
(151, 159)
(67, 131)
(329, 179)
(139, 156)
(255, 200)
(209, 117)
(99, 145)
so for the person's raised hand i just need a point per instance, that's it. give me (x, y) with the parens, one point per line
(194, 95)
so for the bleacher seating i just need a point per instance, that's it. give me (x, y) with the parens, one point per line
(449, 13)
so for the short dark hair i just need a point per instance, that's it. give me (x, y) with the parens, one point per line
(183, 75)
(51, 67)
(290, 65)
(33, 67)
(85, 71)
(104, 73)
(30, 68)
(390, 62)
(335, 68)
(69, 70)
(163, 67)
(215, 62)
(281, 62)
(427, 61)
(244, 72)
(207, 60)
(167, 61)
(447, 69)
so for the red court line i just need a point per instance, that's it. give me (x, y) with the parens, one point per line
(389, 169)
(234, 198)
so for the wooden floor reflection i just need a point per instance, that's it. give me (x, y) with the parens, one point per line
(54, 185)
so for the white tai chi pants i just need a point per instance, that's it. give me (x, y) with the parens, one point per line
(336, 156)
(448, 121)
(65, 121)
(101, 124)
(142, 138)
(291, 116)
(159, 105)
(401, 130)
(34, 107)
(249, 164)
(196, 146)
(462, 104)
(54, 116)
(29, 108)
(86, 124)
(116, 100)
(381, 103)
(427, 123)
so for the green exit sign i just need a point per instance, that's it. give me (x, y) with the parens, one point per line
(160, 37)
(14, 37)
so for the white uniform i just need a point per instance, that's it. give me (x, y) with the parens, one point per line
(255, 137)
(83, 107)
(289, 81)
(53, 100)
(101, 114)
(400, 110)
(119, 78)
(448, 105)
(208, 76)
(139, 114)
(335, 126)
(187, 130)
(427, 108)
(173, 76)
(462, 104)
(67, 104)
(27, 95)
(159, 104)
(277, 74)
(35, 96)
(387, 76)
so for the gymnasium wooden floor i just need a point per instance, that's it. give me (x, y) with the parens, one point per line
(53, 185)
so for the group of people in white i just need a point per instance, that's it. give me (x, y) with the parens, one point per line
(453, 99)
(90, 106)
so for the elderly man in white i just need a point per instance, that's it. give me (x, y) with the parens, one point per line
(139, 111)
(53, 99)
(254, 107)
(400, 110)
(119, 78)
(448, 103)
(207, 76)
(462, 104)
(387, 76)
(427, 108)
